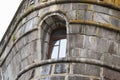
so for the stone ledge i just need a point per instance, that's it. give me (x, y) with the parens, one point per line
(68, 60)
(94, 23)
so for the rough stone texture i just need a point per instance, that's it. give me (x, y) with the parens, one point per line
(54, 78)
(58, 78)
(61, 68)
(0, 74)
(101, 18)
(77, 78)
(92, 34)
(46, 70)
(110, 75)
(86, 69)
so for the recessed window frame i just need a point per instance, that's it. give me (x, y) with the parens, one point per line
(56, 39)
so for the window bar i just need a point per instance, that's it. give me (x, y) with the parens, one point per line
(59, 49)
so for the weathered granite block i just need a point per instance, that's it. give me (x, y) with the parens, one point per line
(99, 17)
(115, 22)
(61, 68)
(46, 70)
(107, 58)
(91, 42)
(77, 78)
(77, 41)
(93, 55)
(48, 78)
(80, 6)
(75, 28)
(85, 69)
(105, 45)
(113, 47)
(72, 15)
(101, 9)
(114, 13)
(79, 69)
(57, 78)
(110, 74)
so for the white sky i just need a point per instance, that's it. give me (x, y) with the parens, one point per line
(7, 11)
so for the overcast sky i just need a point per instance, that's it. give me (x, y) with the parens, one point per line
(7, 11)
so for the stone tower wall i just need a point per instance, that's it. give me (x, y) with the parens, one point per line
(93, 41)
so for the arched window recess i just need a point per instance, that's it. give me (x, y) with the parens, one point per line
(54, 44)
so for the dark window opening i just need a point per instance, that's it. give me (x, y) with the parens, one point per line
(57, 44)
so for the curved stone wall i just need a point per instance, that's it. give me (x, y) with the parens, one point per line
(93, 41)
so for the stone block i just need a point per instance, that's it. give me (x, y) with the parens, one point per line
(61, 68)
(32, 36)
(79, 69)
(24, 52)
(110, 74)
(93, 70)
(93, 30)
(72, 15)
(43, 11)
(91, 43)
(10, 74)
(57, 78)
(85, 69)
(76, 41)
(90, 30)
(19, 32)
(115, 22)
(77, 78)
(75, 52)
(32, 15)
(99, 17)
(4, 76)
(65, 7)
(9, 59)
(83, 15)
(75, 28)
(49, 21)
(114, 13)
(108, 34)
(29, 25)
(113, 47)
(116, 60)
(24, 63)
(83, 53)
(80, 6)
(47, 78)
(102, 45)
(18, 58)
(93, 55)
(107, 58)
(4, 67)
(46, 70)
(88, 15)
(100, 9)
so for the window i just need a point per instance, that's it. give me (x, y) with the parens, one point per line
(57, 44)
(53, 37)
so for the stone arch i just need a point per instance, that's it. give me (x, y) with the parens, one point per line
(48, 24)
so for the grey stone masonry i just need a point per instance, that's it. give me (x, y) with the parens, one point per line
(92, 31)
